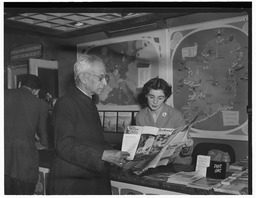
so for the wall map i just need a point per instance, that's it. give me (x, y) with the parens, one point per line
(207, 64)
(210, 78)
(130, 62)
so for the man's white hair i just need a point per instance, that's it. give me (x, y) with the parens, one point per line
(84, 64)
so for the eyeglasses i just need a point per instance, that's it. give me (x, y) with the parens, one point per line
(101, 77)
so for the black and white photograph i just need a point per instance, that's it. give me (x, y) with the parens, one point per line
(78, 74)
(110, 121)
(124, 120)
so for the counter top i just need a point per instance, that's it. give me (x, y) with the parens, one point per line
(148, 179)
(126, 176)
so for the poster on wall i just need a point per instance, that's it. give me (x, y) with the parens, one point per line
(130, 62)
(110, 122)
(210, 76)
(124, 120)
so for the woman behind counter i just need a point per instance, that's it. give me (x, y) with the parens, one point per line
(158, 114)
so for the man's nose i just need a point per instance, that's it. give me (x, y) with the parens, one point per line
(104, 81)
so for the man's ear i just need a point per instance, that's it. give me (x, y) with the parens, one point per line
(83, 78)
(35, 92)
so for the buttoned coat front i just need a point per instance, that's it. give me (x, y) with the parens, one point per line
(79, 143)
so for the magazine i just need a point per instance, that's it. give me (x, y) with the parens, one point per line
(184, 178)
(159, 176)
(242, 175)
(236, 188)
(239, 165)
(204, 183)
(150, 147)
(237, 183)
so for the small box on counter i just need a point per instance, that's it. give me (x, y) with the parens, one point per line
(217, 170)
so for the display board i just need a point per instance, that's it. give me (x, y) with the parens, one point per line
(210, 76)
(206, 63)
(130, 62)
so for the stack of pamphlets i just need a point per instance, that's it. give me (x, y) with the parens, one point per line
(235, 188)
(160, 176)
(239, 165)
(237, 183)
(184, 178)
(205, 183)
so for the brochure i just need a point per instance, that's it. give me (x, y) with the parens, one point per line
(184, 178)
(205, 183)
(150, 147)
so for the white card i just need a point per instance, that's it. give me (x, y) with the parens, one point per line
(203, 160)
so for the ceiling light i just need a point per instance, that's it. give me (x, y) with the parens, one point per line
(78, 24)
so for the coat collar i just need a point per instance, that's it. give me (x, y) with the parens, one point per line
(83, 92)
(162, 118)
(26, 90)
(73, 90)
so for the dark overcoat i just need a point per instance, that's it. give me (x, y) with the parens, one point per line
(24, 115)
(78, 168)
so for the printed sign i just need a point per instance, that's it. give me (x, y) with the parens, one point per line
(25, 52)
(217, 170)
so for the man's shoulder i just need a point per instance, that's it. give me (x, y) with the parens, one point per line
(8, 92)
(66, 100)
(18, 94)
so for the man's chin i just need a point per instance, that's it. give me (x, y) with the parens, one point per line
(99, 91)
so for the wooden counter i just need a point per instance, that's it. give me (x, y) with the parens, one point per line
(125, 182)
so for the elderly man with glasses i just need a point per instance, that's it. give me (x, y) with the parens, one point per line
(81, 163)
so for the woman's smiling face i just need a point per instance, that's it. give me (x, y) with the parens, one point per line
(155, 99)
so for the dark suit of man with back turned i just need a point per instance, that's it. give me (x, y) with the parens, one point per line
(24, 116)
(81, 164)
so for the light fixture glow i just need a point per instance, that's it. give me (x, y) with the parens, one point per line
(78, 24)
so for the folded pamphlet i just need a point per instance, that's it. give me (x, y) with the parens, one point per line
(150, 147)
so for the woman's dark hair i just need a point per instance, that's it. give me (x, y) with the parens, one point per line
(156, 84)
(32, 81)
